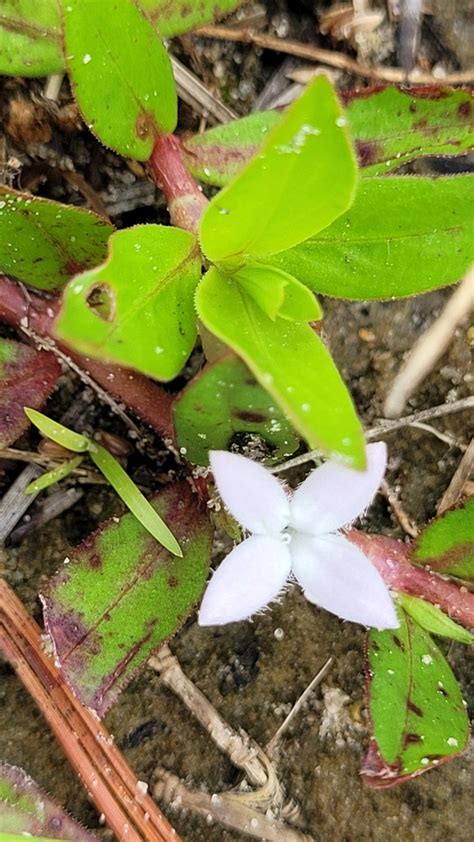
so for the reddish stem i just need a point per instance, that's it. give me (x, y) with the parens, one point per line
(142, 396)
(390, 557)
(185, 200)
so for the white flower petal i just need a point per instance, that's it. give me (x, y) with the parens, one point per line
(337, 576)
(333, 495)
(252, 495)
(249, 577)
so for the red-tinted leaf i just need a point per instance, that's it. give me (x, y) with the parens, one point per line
(121, 595)
(27, 378)
(26, 810)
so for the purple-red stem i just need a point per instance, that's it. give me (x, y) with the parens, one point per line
(142, 396)
(390, 557)
(183, 195)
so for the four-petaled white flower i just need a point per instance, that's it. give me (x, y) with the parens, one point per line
(297, 536)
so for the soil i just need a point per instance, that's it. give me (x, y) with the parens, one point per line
(254, 672)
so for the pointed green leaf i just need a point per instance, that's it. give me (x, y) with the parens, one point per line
(137, 308)
(57, 432)
(389, 127)
(121, 596)
(446, 545)
(30, 41)
(44, 243)
(416, 708)
(292, 364)
(278, 293)
(27, 812)
(224, 405)
(431, 618)
(173, 17)
(303, 179)
(25, 375)
(56, 475)
(121, 74)
(402, 236)
(133, 498)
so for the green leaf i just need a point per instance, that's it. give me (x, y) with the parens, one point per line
(56, 475)
(25, 375)
(447, 543)
(121, 596)
(30, 42)
(402, 236)
(224, 405)
(277, 293)
(431, 618)
(26, 811)
(44, 243)
(303, 179)
(137, 308)
(133, 498)
(389, 127)
(57, 432)
(220, 154)
(292, 364)
(173, 17)
(415, 704)
(121, 74)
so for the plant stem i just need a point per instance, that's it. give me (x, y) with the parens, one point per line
(144, 397)
(183, 195)
(390, 557)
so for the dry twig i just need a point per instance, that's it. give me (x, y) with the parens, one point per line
(128, 809)
(430, 347)
(458, 482)
(330, 57)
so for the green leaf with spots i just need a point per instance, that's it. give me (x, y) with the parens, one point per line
(26, 811)
(121, 74)
(447, 544)
(303, 179)
(173, 17)
(277, 293)
(389, 127)
(402, 236)
(431, 618)
(30, 40)
(220, 154)
(290, 362)
(57, 432)
(25, 375)
(121, 596)
(137, 308)
(224, 405)
(44, 243)
(416, 708)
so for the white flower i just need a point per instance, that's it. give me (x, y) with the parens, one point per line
(297, 536)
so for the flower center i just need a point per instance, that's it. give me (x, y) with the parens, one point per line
(286, 536)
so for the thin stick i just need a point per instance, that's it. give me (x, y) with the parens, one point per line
(430, 347)
(129, 811)
(398, 510)
(240, 751)
(331, 57)
(418, 425)
(385, 427)
(458, 481)
(230, 813)
(272, 744)
(15, 502)
(195, 94)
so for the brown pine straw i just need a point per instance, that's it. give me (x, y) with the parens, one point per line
(331, 57)
(129, 811)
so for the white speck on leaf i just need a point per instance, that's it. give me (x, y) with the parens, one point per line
(86, 59)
